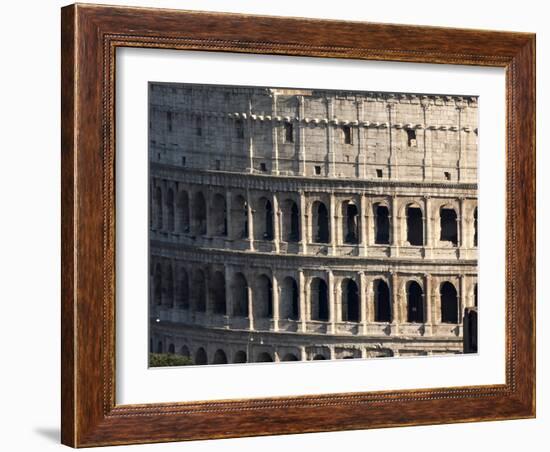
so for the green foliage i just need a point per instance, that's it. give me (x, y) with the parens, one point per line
(168, 359)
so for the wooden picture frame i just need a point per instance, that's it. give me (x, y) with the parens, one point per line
(90, 36)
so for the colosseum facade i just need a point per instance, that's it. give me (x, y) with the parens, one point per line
(296, 224)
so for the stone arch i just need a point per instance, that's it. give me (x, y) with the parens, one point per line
(448, 225)
(220, 357)
(239, 217)
(290, 357)
(319, 357)
(199, 290)
(263, 297)
(264, 357)
(320, 223)
(157, 285)
(449, 303)
(290, 303)
(183, 289)
(415, 303)
(415, 228)
(381, 224)
(263, 220)
(170, 215)
(159, 220)
(382, 301)
(182, 206)
(199, 214)
(201, 358)
(319, 300)
(218, 216)
(240, 357)
(350, 222)
(291, 221)
(184, 351)
(217, 293)
(350, 300)
(239, 290)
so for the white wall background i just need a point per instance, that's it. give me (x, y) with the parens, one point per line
(29, 230)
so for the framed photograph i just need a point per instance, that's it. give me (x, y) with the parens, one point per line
(282, 225)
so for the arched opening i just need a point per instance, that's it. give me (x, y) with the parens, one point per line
(320, 223)
(382, 304)
(183, 289)
(290, 357)
(263, 298)
(172, 349)
(263, 220)
(199, 214)
(200, 357)
(183, 211)
(170, 226)
(475, 227)
(415, 303)
(217, 292)
(199, 290)
(160, 347)
(184, 351)
(157, 285)
(350, 301)
(264, 357)
(415, 233)
(449, 303)
(381, 225)
(291, 221)
(240, 357)
(220, 357)
(158, 208)
(319, 300)
(448, 225)
(169, 288)
(239, 218)
(218, 216)
(475, 295)
(319, 357)
(350, 215)
(289, 299)
(240, 295)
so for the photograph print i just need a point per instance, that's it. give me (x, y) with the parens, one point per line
(295, 224)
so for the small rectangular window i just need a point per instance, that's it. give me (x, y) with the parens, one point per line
(347, 134)
(379, 173)
(289, 133)
(239, 127)
(411, 138)
(183, 161)
(447, 175)
(263, 167)
(158, 155)
(317, 170)
(218, 164)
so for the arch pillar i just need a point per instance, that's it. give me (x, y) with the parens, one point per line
(397, 299)
(276, 223)
(333, 221)
(364, 219)
(228, 210)
(331, 303)
(395, 228)
(250, 220)
(429, 239)
(250, 303)
(303, 223)
(228, 291)
(302, 299)
(275, 292)
(364, 288)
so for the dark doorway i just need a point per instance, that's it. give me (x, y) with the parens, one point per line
(350, 303)
(448, 223)
(415, 233)
(449, 303)
(319, 300)
(415, 304)
(382, 225)
(320, 216)
(382, 305)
